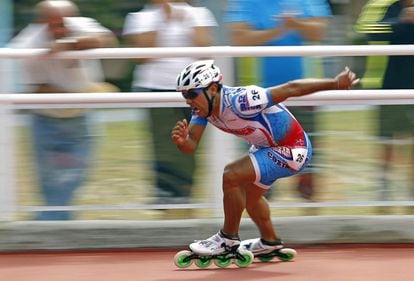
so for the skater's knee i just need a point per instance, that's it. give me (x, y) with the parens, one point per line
(230, 177)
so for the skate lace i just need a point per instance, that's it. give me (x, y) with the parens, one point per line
(208, 243)
(214, 241)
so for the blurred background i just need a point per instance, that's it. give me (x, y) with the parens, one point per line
(349, 176)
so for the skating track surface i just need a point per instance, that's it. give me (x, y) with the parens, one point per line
(377, 262)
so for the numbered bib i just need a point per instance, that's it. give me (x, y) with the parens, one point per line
(299, 156)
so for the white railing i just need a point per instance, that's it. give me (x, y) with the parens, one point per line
(169, 99)
(11, 102)
(218, 52)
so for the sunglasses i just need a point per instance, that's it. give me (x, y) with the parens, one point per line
(192, 94)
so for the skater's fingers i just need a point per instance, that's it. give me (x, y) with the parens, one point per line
(182, 123)
(356, 81)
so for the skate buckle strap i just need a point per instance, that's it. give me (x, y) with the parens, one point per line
(277, 242)
(207, 243)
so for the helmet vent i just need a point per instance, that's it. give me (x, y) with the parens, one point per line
(196, 73)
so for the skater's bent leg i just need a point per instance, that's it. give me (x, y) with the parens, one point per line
(235, 176)
(258, 209)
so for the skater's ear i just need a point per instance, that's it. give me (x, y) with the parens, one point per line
(214, 89)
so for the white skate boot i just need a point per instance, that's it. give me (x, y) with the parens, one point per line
(266, 252)
(215, 245)
(257, 247)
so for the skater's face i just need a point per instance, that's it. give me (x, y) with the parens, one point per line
(196, 99)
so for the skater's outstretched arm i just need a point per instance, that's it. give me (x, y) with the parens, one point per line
(296, 88)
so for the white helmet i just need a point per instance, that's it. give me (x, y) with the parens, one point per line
(199, 74)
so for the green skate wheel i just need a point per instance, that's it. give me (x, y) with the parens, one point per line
(222, 261)
(203, 262)
(182, 259)
(287, 254)
(248, 258)
(266, 257)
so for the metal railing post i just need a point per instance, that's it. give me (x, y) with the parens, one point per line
(7, 173)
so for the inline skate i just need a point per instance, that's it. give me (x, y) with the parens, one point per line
(265, 252)
(218, 249)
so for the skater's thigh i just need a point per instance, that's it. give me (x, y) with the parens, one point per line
(239, 172)
(270, 165)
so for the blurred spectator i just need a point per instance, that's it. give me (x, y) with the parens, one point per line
(6, 28)
(392, 22)
(281, 23)
(62, 143)
(370, 30)
(165, 23)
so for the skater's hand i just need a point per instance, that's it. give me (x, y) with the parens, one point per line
(346, 79)
(179, 133)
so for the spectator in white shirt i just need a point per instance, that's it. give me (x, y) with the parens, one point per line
(164, 23)
(62, 143)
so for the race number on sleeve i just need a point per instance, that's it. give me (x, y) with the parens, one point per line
(256, 96)
(251, 101)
